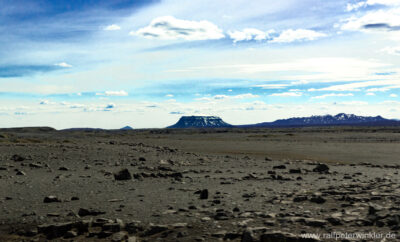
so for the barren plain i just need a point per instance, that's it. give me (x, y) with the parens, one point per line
(200, 184)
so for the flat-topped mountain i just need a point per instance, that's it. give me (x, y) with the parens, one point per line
(326, 120)
(200, 122)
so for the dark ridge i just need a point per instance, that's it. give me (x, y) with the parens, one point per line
(340, 119)
(83, 129)
(28, 129)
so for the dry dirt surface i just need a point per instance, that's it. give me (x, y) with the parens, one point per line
(200, 185)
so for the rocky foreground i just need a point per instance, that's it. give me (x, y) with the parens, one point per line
(89, 187)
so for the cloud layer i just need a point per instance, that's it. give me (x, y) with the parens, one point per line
(171, 28)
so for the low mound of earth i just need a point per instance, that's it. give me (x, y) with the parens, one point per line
(124, 186)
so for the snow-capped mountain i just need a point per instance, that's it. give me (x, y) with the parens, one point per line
(200, 122)
(326, 120)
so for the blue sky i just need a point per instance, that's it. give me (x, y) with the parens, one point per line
(109, 64)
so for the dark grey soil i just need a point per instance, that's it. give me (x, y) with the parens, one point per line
(198, 185)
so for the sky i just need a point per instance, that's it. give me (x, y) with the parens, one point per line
(146, 63)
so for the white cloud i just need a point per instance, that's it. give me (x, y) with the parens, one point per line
(353, 103)
(169, 95)
(272, 86)
(63, 64)
(77, 105)
(301, 82)
(226, 97)
(393, 95)
(287, 94)
(116, 93)
(249, 34)
(350, 7)
(356, 6)
(244, 96)
(392, 50)
(309, 69)
(333, 95)
(378, 89)
(291, 35)
(112, 27)
(370, 94)
(355, 86)
(170, 28)
(383, 19)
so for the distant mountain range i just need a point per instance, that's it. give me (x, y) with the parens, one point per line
(340, 119)
(200, 122)
(325, 120)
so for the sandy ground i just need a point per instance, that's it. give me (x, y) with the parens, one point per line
(199, 185)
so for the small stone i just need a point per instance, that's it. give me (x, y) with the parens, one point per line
(35, 165)
(204, 194)
(119, 236)
(219, 234)
(248, 236)
(70, 234)
(17, 158)
(322, 168)
(315, 222)
(318, 199)
(89, 212)
(294, 171)
(179, 225)
(51, 199)
(20, 173)
(300, 198)
(279, 167)
(132, 239)
(155, 229)
(123, 174)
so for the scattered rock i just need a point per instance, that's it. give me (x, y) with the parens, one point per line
(155, 229)
(70, 234)
(17, 158)
(51, 199)
(204, 194)
(318, 199)
(322, 168)
(300, 198)
(315, 222)
(123, 174)
(295, 171)
(35, 165)
(20, 173)
(89, 212)
(119, 236)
